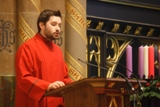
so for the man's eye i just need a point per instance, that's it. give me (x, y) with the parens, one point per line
(53, 24)
(56, 25)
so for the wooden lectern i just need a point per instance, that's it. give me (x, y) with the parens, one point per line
(96, 92)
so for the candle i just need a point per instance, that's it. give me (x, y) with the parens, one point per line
(128, 60)
(140, 62)
(146, 61)
(151, 61)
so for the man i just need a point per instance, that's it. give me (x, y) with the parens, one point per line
(40, 66)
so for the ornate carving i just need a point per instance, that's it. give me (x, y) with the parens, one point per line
(88, 23)
(117, 49)
(100, 25)
(127, 29)
(7, 35)
(151, 30)
(115, 28)
(115, 100)
(138, 31)
(95, 53)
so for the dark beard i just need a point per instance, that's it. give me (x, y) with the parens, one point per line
(52, 37)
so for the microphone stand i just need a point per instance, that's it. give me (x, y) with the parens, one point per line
(140, 86)
(131, 87)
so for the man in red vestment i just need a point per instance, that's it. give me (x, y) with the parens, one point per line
(40, 66)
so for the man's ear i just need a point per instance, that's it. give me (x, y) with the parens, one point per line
(41, 25)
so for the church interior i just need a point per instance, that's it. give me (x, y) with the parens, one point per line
(102, 43)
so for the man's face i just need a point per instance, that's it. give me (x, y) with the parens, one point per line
(51, 30)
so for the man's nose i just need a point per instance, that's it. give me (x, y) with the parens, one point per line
(58, 28)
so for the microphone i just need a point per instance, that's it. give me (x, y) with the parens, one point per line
(139, 83)
(131, 87)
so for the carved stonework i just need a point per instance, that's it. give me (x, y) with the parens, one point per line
(7, 35)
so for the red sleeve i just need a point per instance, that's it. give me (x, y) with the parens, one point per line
(25, 78)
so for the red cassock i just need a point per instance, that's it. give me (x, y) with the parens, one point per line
(38, 63)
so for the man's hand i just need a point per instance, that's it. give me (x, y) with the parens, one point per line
(55, 85)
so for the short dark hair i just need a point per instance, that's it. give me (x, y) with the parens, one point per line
(45, 15)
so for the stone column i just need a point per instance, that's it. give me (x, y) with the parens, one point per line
(76, 38)
(8, 33)
(28, 12)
